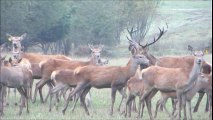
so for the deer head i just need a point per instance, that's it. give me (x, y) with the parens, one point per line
(199, 56)
(96, 52)
(136, 46)
(16, 42)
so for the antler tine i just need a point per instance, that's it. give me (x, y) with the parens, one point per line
(155, 40)
(90, 46)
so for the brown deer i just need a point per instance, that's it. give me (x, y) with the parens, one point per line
(201, 83)
(135, 88)
(169, 80)
(48, 66)
(18, 77)
(33, 58)
(185, 62)
(113, 77)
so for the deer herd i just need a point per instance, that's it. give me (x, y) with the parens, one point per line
(178, 78)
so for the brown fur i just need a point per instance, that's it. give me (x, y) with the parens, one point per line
(170, 80)
(113, 77)
(37, 58)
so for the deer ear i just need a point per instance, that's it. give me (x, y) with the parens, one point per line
(23, 36)
(9, 36)
(206, 50)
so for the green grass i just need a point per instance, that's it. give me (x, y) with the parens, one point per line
(101, 105)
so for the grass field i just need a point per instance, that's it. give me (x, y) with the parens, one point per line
(101, 105)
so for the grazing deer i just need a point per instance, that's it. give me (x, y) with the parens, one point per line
(169, 80)
(18, 77)
(113, 77)
(48, 66)
(185, 62)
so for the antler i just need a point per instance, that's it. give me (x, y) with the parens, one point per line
(91, 46)
(133, 44)
(158, 38)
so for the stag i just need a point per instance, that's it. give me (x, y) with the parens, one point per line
(166, 80)
(185, 62)
(48, 66)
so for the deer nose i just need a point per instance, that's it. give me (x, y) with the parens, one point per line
(199, 60)
(15, 45)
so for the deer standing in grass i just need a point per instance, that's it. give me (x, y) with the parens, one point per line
(47, 67)
(18, 77)
(33, 58)
(171, 79)
(202, 82)
(185, 62)
(113, 77)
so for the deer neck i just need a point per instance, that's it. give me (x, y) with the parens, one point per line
(92, 61)
(193, 76)
(151, 58)
(131, 67)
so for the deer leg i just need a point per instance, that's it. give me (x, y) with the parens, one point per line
(139, 108)
(184, 106)
(50, 87)
(4, 97)
(22, 100)
(40, 86)
(113, 95)
(134, 105)
(78, 88)
(159, 103)
(15, 96)
(190, 109)
(77, 96)
(128, 105)
(63, 93)
(142, 108)
(164, 106)
(207, 104)
(1, 101)
(55, 91)
(124, 96)
(179, 97)
(36, 90)
(201, 94)
(119, 108)
(82, 98)
(175, 107)
(148, 103)
(210, 104)
(25, 91)
(8, 96)
(142, 99)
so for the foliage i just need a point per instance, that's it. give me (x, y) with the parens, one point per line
(79, 22)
